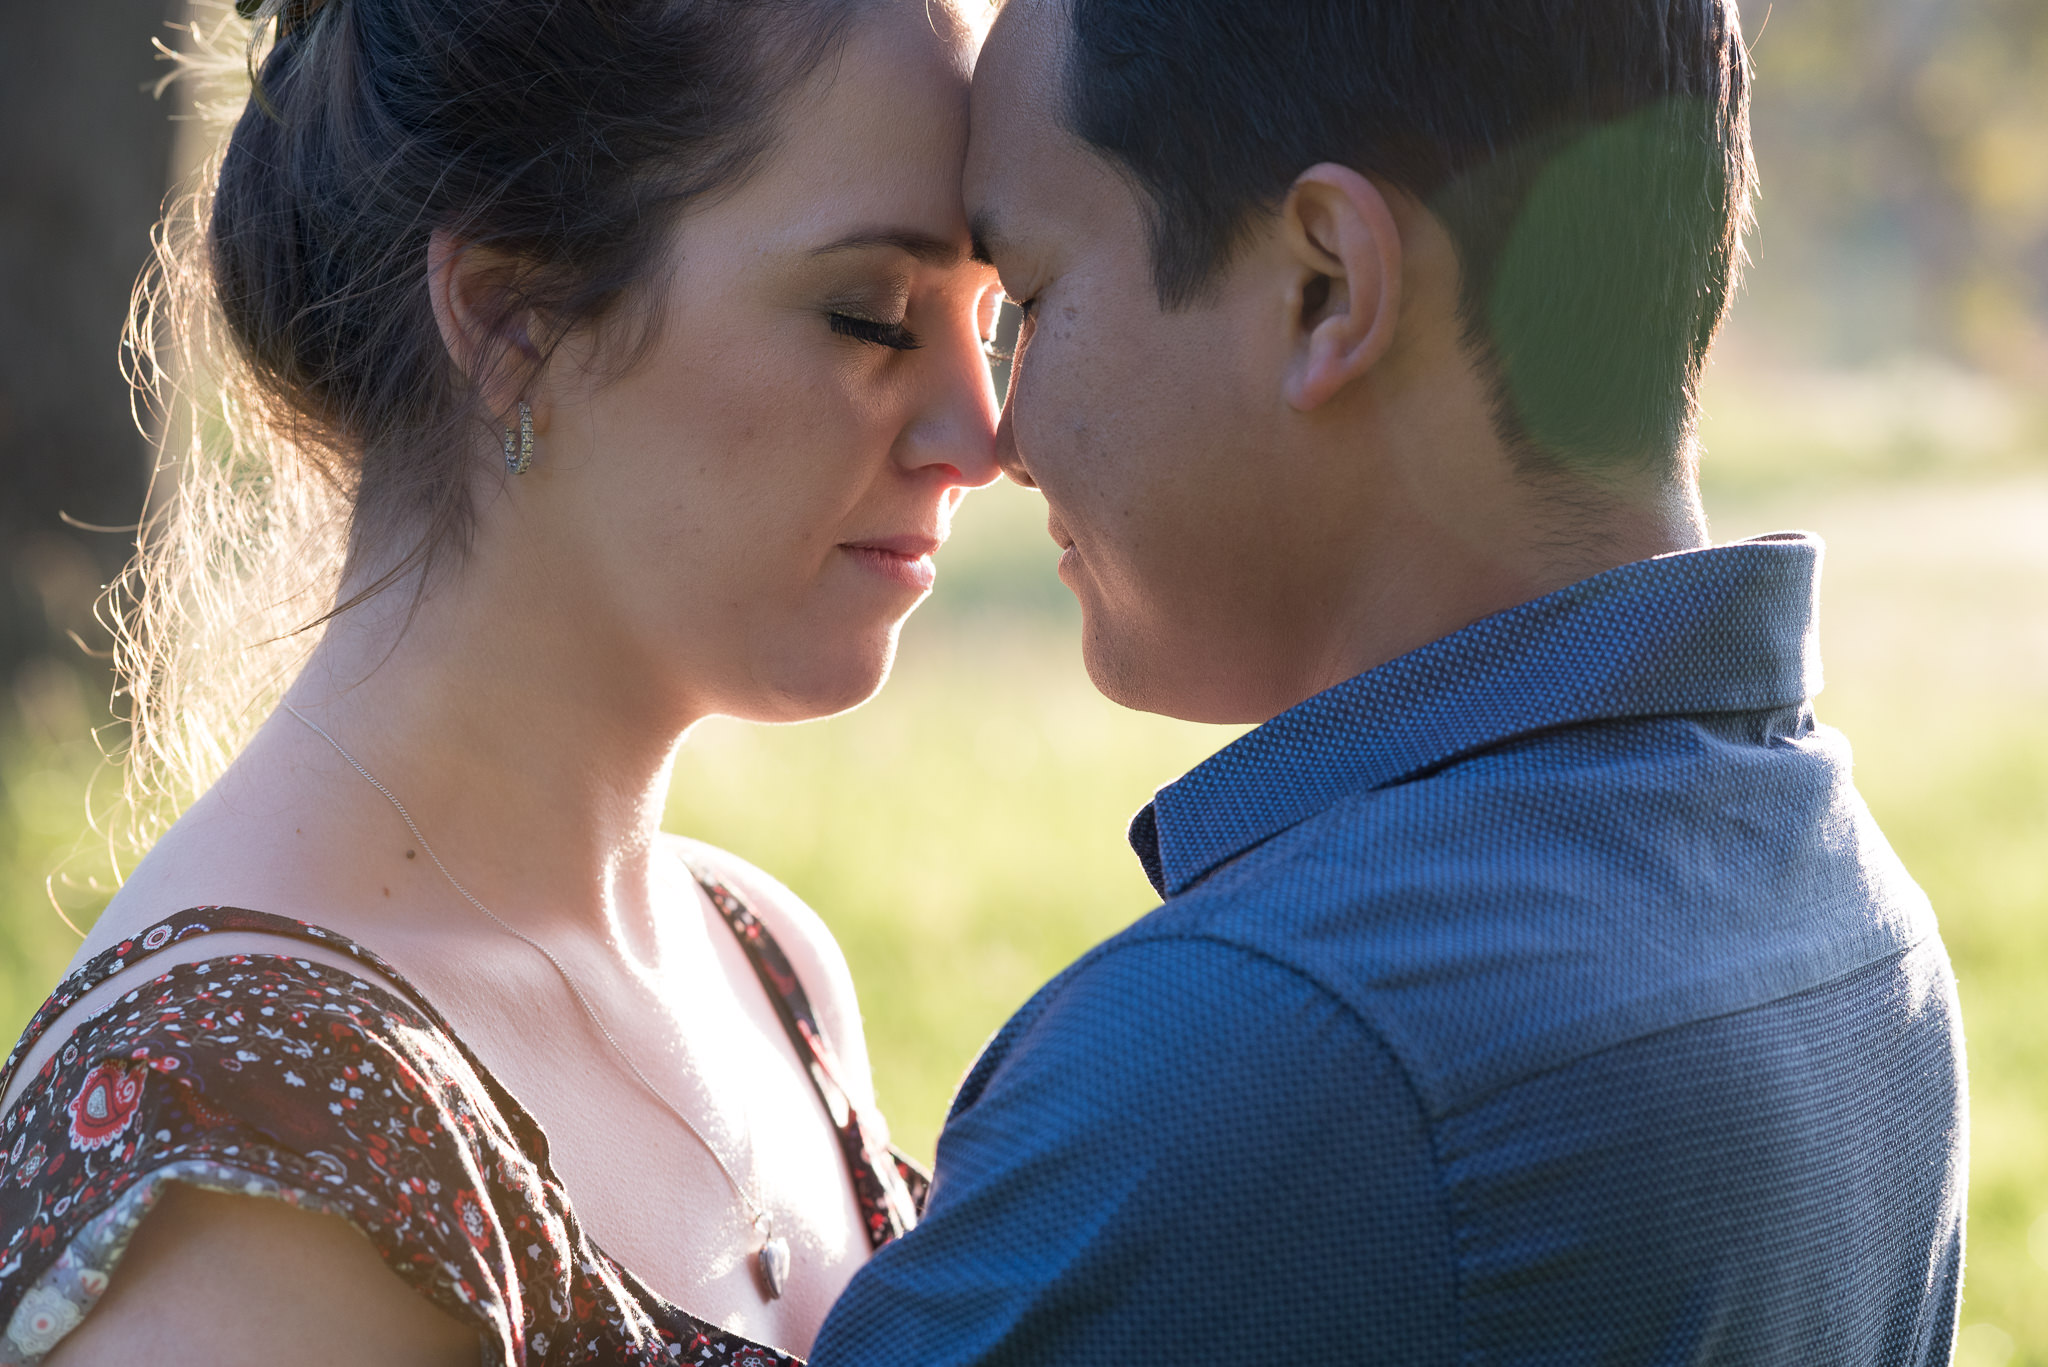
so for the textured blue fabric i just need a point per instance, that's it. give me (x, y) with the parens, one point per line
(1544, 996)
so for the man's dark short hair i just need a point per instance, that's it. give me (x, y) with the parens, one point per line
(1590, 159)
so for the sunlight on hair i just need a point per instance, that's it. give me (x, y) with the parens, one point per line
(979, 16)
(241, 547)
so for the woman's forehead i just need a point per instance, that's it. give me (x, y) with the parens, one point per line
(874, 144)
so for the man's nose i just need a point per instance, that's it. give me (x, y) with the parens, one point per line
(1006, 445)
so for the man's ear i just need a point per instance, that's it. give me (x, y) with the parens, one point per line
(487, 334)
(1346, 247)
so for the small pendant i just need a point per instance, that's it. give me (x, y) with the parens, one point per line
(774, 1263)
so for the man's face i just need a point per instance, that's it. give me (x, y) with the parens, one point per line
(1149, 431)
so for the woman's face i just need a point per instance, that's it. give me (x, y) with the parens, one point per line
(740, 523)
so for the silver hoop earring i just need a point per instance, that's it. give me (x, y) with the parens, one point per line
(519, 454)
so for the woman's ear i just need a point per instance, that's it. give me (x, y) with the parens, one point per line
(1346, 247)
(485, 331)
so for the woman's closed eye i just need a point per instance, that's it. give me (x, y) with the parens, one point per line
(895, 336)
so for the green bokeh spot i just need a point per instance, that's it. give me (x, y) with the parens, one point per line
(1597, 301)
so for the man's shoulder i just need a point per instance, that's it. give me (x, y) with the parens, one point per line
(1568, 891)
(1160, 1011)
(1591, 1020)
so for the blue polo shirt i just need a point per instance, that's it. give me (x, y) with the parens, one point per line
(1546, 995)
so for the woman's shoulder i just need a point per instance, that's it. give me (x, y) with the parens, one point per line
(788, 916)
(320, 1088)
(123, 954)
(266, 1075)
(238, 1021)
(806, 941)
(228, 1281)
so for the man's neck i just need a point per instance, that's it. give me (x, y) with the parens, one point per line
(1444, 564)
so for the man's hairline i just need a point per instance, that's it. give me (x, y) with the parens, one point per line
(1151, 206)
(1475, 335)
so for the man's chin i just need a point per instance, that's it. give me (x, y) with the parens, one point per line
(1110, 654)
(1125, 667)
(1151, 671)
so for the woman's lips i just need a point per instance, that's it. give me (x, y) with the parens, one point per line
(905, 559)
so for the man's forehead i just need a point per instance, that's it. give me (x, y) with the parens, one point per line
(1017, 78)
(1035, 29)
(1015, 109)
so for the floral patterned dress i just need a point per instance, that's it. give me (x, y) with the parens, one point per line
(285, 1078)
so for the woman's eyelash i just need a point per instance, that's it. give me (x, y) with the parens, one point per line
(895, 336)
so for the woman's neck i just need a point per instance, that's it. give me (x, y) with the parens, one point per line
(531, 764)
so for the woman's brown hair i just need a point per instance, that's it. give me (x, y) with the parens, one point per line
(315, 430)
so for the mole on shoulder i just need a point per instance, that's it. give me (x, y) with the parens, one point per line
(410, 854)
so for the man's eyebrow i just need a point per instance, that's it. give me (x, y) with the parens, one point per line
(987, 239)
(932, 251)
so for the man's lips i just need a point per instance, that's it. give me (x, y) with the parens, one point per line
(1069, 557)
(906, 559)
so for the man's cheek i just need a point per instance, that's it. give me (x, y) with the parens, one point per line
(1046, 414)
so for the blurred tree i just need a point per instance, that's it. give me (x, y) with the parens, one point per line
(1904, 150)
(87, 157)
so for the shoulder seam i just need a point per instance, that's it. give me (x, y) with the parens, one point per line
(1864, 966)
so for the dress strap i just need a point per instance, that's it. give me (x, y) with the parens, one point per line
(185, 925)
(886, 1200)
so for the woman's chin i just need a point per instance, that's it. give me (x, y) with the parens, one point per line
(826, 681)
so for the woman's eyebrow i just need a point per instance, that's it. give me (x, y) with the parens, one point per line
(932, 251)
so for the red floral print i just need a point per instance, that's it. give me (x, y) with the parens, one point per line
(105, 1105)
(290, 1079)
(469, 1212)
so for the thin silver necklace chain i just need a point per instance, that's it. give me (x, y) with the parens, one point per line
(774, 1252)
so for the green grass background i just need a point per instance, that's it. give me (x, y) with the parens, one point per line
(963, 834)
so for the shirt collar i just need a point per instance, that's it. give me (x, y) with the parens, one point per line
(1728, 629)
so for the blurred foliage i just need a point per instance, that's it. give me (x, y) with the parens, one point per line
(48, 766)
(1766, 429)
(1904, 155)
(85, 170)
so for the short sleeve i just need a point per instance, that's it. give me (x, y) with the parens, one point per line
(267, 1077)
(1183, 1152)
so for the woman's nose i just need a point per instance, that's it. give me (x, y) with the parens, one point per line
(957, 423)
